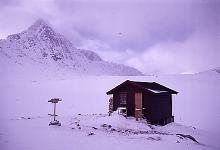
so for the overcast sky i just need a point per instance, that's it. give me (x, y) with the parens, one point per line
(159, 36)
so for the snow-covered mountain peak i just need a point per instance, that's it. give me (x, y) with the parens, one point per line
(40, 24)
(40, 31)
(42, 46)
(43, 31)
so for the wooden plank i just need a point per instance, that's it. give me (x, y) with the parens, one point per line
(54, 100)
(52, 115)
(138, 105)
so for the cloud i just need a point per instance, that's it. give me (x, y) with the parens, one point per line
(136, 24)
(4, 3)
(165, 38)
(106, 51)
(198, 53)
(18, 15)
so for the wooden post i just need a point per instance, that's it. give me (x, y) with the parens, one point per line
(54, 113)
(54, 122)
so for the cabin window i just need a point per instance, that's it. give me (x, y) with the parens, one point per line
(123, 97)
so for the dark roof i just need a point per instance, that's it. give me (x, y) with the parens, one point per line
(150, 87)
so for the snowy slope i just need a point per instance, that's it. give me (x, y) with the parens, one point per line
(99, 131)
(40, 47)
(24, 109)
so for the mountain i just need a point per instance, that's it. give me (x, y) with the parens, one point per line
(217, 70)
(41, 47)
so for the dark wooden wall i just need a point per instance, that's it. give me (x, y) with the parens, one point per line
(158, 106)
(130, 99)
(116, 97)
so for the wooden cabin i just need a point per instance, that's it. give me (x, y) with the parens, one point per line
(148, 100)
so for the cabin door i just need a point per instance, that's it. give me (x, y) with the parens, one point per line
(138, 105)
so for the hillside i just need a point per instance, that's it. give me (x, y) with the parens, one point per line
(40, 47)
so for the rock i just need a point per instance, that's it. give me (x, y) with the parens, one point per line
(91, 133)
(187, 136)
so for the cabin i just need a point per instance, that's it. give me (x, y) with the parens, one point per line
(148, 100)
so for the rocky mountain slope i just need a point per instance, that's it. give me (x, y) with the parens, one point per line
(40, 46)
(217, 70)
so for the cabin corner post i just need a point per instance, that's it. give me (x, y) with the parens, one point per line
(111, 109)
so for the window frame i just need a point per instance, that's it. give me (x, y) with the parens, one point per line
(123, 96)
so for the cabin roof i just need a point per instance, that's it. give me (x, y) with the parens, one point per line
(150, 87)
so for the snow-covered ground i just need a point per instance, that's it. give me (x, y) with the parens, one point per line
(83, 114)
